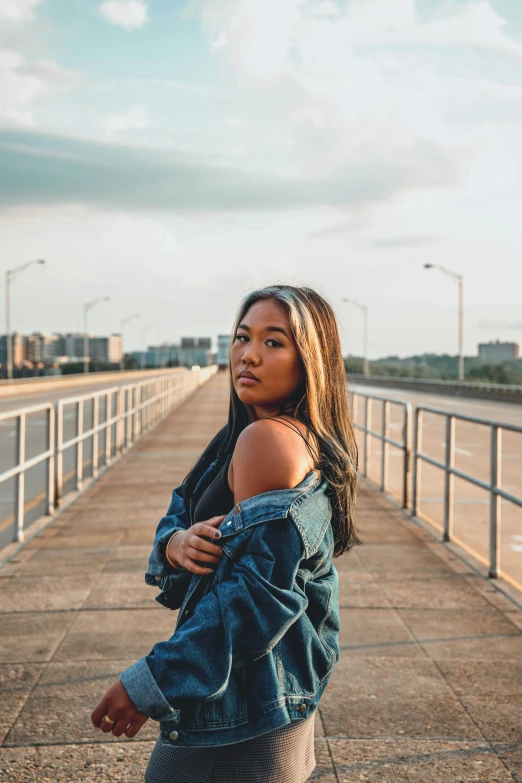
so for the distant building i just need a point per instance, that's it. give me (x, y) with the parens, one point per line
(223, 350)
(105, 349)
(18, 343)
(498, 351)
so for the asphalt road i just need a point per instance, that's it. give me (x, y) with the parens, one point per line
(472, 456)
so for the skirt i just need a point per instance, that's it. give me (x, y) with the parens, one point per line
(284, 755)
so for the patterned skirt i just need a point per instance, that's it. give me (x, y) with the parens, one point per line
(285, 755)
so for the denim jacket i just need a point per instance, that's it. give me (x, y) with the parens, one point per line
(256, 641)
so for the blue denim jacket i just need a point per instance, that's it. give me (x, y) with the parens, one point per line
(255, 642)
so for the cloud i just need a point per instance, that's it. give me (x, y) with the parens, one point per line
(43, 169)
(134, 119)
(392, 243)
(21, 82)
(18, 10)
(517, 325)
(129, 14)
(237, 122)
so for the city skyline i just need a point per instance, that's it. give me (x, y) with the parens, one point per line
(175, 155)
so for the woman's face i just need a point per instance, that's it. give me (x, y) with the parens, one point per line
(264, 348)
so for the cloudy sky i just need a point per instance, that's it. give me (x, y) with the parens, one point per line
(175, 154)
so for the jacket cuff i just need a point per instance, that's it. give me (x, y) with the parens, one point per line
(144, 692)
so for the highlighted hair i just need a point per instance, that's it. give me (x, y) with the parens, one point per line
(320, 402)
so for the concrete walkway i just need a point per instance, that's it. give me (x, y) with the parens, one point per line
(429, 687)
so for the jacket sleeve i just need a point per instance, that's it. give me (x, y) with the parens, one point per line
(173, 582)
(237, 621)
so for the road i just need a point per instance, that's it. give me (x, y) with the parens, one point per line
(472, 456)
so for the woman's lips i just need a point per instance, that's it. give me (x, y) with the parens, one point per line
(246, 381)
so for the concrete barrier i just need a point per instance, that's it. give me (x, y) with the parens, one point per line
(484, 391)
(53, 382)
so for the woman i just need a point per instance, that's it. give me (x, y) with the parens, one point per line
(245, 551)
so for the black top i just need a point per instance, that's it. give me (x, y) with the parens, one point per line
(218, 498)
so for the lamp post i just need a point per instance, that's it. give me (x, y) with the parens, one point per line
(86, 309)
(460, 282)
(145, 329)
(122, 324)
(364, 308)
(9, 276)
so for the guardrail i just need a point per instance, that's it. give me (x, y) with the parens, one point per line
(384, 438)
(496, 493)
(129, 412)
(413, 456)
(488, 391)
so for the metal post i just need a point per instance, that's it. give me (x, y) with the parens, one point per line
(417, 447)
(461, 329)
(50, 469)
(385, 445)
(367, 427)
(366, 362)
(86, 356)
(8, 343)
(59, 455)
(449, 479)
(108, 428)
(407, 454)
(495, 500)
(95, 444)
(79, 446)
(119, 421)
(20, 477)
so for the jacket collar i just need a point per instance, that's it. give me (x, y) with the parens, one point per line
(281, 503)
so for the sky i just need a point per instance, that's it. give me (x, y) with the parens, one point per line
(174, 155)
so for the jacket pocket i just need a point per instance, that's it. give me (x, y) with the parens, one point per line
(229, 710)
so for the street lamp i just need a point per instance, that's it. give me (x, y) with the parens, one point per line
(86, 309)
(364, 308)
(122, 324)
(459, 280)
(9, 276)
(145, 329)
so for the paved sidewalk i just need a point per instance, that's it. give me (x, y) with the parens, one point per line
(428, 689)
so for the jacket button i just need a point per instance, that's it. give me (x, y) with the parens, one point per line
(302, 708)
(313, 705)
(173, 735)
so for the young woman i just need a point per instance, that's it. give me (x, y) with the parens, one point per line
(245, 551)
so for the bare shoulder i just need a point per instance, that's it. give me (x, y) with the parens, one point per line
(268, 455)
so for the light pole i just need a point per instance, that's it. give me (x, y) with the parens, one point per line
(122, 324)
(86, 309)
(364, 308)
(460, 282)
(145, 329)
(9, 276)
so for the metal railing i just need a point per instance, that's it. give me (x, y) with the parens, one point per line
(411, 473)
(384, 437)
(493, 487)
(130, 411)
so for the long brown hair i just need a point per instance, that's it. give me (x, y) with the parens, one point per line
(320, 402)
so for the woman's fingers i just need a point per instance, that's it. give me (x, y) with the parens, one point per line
(204, 557)
(134, 726)
(195, 542)
(98, 713)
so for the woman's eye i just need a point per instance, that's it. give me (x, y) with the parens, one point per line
(239, 336)
(277, 343)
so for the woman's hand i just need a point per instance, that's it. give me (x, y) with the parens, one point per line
(189, 548)
(122, 715)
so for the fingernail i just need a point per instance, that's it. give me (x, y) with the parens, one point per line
(217, 534)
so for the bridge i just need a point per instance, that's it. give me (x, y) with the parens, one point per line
(429, 684)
